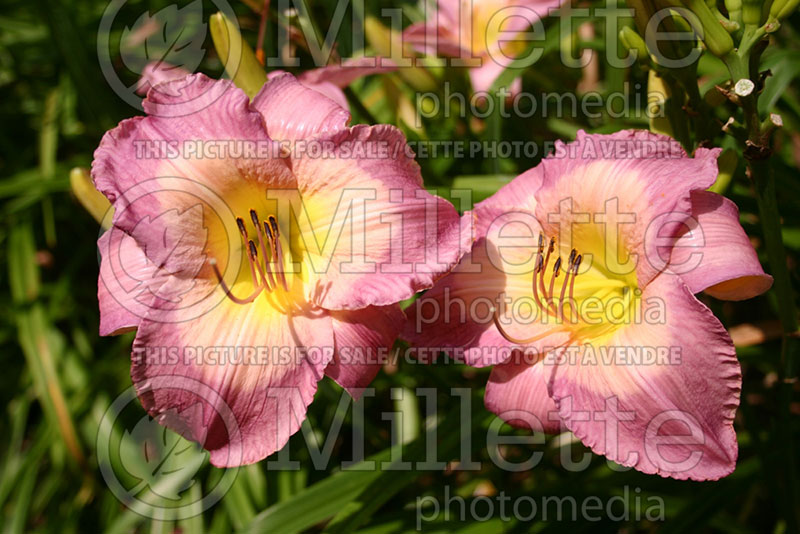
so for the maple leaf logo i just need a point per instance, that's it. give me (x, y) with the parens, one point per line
(172, 35)
(159, 459)
(176, 242)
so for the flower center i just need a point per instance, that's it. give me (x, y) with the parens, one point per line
(265, 258)
(589, 306)
(487, 18)
(547, 302)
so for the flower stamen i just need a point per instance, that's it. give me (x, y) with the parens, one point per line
(278, 250)
(544, 266)
(544, 296)
(567, 272)
(227, 290)
(261, 272)
(269, 282)
(518, 341)
(573, 307)
(246, 238)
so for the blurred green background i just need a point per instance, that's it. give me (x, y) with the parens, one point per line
(59, 377)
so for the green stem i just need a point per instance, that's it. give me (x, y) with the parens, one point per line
(676, 114)
(762, 178)
(704, 129)
(750, 37)
(760, 174)
(739, 67)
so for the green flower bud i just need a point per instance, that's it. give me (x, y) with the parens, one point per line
(715, 36)
(734, 8)
(236, 55)
(90, 198)
(389, 43)
(726, 163)
(634, 42)
(781, 9)
(729, 25)
(751, 12)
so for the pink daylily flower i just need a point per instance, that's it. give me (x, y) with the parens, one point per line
(485, 30)
(580, 264)
(328, 80)
(157, 72)
(253, 273)
(331, 79)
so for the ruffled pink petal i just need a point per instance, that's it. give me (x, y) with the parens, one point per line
(343, 74)
(714, 254)
(157, 72)
(125, 285)
(517, 392)
(517, 195)
(323, 87)
(671, 416)
(363, 340)
(648, 176)
(292, 111)
(483, 77)
(132, 275)
(373, 236)
(435, 39)
(151, 166)
(237, 380)
(331, 91)
(457, 313)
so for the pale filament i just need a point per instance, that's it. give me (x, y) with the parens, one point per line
(547, 301)
(265, 273)
(544, 295)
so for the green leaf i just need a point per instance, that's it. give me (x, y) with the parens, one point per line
(318, 502)
(355, 493)
(785, 68)
(153, 453)
(391, 481)
(518, 66)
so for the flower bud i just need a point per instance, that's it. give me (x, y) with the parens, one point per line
(90, 198)
(634, 42)
(781, 9)
(237, 57)
(734, 9)
(726, 163)
(715, 36)
(751, 12)
(389, 43)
